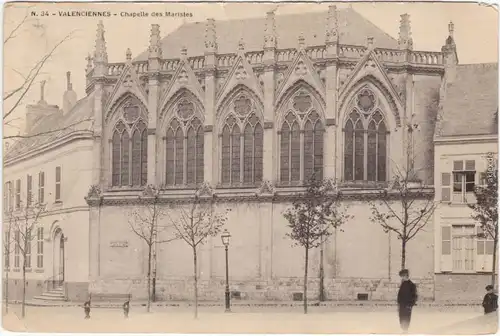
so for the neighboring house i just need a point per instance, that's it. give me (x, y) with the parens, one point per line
(244, 111)
(466, 147)
(53, 169)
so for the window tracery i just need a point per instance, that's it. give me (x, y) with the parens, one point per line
(242, 144)
(365, 140)
(129, 157)
(301, 141)
(184, 146)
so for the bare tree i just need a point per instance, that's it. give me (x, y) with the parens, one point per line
(485, 211)
(312, 217)
(24, 227)
(144, 223)
(8, 248)
(14, 97)
(193, 224)
(398, 208)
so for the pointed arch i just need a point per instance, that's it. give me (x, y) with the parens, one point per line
(115, 108)
(301, 117)
(181, 122)
(283, 102)
(366, 135)
(239, 120)
(127, 129)
(388, 99)
(183, 78)
(226, 104)
(168, 109)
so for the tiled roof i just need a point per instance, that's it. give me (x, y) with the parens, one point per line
(471, 102)
(354, 29)
(83, 110)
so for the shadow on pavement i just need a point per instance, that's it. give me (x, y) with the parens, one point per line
(481, 325)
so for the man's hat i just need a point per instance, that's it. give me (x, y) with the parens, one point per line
(489, 287)
(404, 272)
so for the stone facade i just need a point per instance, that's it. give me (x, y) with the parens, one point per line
(318, 82)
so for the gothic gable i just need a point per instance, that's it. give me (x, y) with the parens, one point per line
(128, 83)
(302, 69)
(370, 70)
(128, 107)
(184, 78)
(241, 74)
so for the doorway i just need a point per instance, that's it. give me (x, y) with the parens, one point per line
(59, 258)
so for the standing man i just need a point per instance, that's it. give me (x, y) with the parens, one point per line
(407, 297)
(490, 301)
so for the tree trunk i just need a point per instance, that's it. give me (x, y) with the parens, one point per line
(149, 278)
(6, 290)
(403, 254)
(195, 268)
(306, 264)
(23, 306)
(321, 295)
(493, 267)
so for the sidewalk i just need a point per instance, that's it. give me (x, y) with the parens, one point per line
(246, 303)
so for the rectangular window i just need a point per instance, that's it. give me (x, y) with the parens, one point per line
(6, 197)
(28, 249)
(463, 254)
(446, 240)
(17, 250)
(446, 187)
(18, 194)
(484, 243)
(482, 180)
(10, 195)
(29, 189)
(464, 181)
(39, 248)
(58, 184)
(41, 187)
(7, 250)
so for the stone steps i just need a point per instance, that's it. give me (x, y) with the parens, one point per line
(56, 294)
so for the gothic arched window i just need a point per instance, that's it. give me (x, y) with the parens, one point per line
(313, 147)
(365, 141)
(242, 145)
(301, 148)
(184, 146)
(129, 148)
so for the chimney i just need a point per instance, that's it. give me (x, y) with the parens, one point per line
(450, 57)
(69, 97)
(34, 113)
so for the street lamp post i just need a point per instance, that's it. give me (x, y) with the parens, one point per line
(225, 240)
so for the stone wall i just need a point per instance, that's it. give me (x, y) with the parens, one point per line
(15, 289)
(465, 287)
(283, 289)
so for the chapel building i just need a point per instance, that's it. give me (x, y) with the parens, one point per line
(242, 112)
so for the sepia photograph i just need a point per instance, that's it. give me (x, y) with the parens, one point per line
(278, 168)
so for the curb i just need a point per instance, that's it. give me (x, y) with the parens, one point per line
(245, 304)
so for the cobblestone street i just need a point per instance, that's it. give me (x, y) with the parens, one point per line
(241, 320)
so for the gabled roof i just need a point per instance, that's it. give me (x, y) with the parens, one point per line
(353, 30)
(63, 123)
(470, 104)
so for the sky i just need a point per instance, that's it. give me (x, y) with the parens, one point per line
(476, 34)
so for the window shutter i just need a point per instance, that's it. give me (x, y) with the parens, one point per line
(458, 165)
(446, 261)
(446, 187)
(470, 165)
